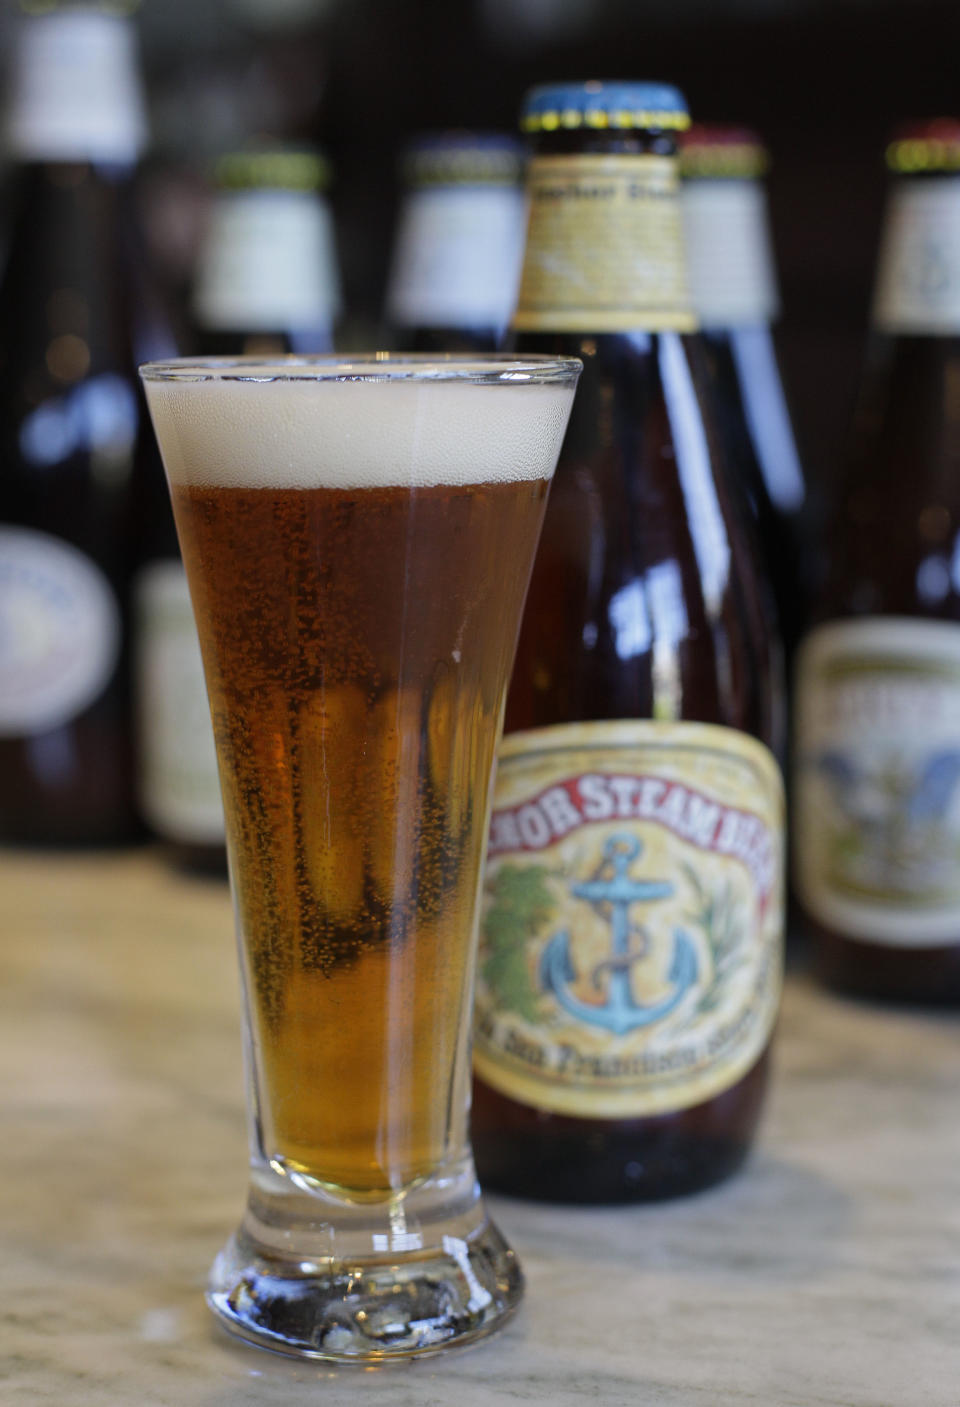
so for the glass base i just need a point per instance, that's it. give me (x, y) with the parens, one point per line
(406, 1282)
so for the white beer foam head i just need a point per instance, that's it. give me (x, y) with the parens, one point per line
(306, 432)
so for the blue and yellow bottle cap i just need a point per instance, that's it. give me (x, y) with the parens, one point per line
(602, 106)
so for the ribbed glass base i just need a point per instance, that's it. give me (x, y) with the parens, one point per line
(438, 1282)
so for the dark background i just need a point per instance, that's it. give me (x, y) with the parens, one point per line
(823, 81)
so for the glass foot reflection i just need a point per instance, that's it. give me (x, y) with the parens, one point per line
(367, 1308)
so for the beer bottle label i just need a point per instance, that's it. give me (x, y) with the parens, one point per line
(604, 247)
(877, 780)
(457, 261)
(75, 92)
(268, 264)
(632, 924)
(918, 280)
(729, 254)
(59, 632)
(180, 787)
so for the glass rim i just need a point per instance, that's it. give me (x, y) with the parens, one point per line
(483, 368)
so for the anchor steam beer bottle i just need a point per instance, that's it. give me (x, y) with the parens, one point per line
(459, 243)
(69, 414)
(733, 285)
(877, 748)
(630, 967)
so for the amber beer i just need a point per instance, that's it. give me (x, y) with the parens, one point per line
(350, 609)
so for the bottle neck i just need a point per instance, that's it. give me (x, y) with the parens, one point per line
(76, 94)
(268, 264)
(605, 246)
(918, 275)
(457, 257)
(729, 253)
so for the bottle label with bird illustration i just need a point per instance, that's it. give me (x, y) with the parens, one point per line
(632, 922)
(877, 779)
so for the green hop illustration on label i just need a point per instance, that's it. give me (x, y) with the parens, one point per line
(522, 905)
(718, 915)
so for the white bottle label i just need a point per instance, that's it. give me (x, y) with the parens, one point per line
(76, 92)
(729, 252)
(180, 788)
(59, 632)
(877, 779)
(457, 257)
(918, 278)
(268, 264)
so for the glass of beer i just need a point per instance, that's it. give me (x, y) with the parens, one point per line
(358, 537)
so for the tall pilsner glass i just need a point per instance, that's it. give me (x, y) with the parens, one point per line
(358, 538)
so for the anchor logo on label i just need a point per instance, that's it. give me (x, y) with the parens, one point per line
(620, 1013)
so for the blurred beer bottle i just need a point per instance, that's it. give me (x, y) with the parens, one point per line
(459, 243)
(631, 949)
(877, 747)
(267, 283)
(733, 285)
(69, 415)
(268, 278)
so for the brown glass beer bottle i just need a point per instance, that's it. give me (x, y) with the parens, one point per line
(877, 723)
(69, 415)
(459, 243)
(631, 935)
(733, 286)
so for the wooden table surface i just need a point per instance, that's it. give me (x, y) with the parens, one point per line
(826, 1273)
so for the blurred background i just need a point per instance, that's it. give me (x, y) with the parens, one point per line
(823, 81)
